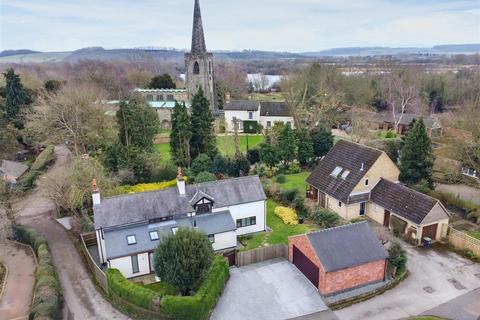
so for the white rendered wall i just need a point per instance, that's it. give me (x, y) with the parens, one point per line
(240, 115)
(225, 240)
(246, 210)
(124, 264)
(284, 120)
(100, 246)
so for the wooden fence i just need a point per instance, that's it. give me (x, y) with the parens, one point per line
(261, 254)
(100, 277)
(462, 241)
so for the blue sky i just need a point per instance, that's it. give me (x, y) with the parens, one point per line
(281, 25)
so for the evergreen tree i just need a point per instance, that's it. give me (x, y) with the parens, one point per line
(268, 154)
(180, 135)
(417, 158)
(137, 123)
(286, 145)
(305, 147)
(322, 139)
(203, 136)
(162, 82)
(16, 98)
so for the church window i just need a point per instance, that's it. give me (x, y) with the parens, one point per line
(160, 97)
(196, 68)
(149, 97)
(210, 67)
(170, 97)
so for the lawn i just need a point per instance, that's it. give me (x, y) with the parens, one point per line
(164, 150)
(280, 231)
(163, 288)
(295, 181)
(475, 234)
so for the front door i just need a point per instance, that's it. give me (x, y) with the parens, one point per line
(321, 199)
(150, 261)
(386, 219)
(362, 208)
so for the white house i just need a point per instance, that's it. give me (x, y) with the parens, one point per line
(129, 227)
(267, 113)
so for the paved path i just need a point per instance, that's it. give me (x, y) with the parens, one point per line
(15, 301)
(82, 299)
(436, 276)
(462, 191)
(466, 307)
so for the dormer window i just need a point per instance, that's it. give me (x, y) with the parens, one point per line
(336, 171)
(366, 182)
(154, 235)
(131, 239)
(345, 174)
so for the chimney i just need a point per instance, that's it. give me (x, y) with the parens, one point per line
(180, 182)
(95, 193)
(362, 167)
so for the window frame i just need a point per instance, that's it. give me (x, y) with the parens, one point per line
(339, 204)
(134, 239)
(250, 115)
(366, 182)
(155, 238)
(137, 269)
(249, 221)
(211, 238)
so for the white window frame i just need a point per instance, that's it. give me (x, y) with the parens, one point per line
(250, 115)
(155, 237)
(129, 239)
(135, 264)
(336, 171)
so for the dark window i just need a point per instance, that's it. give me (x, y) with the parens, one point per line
(170, 97)
(245, 222)
(134, 264)
(339, 204)
(209, 67)
(211, 238)
(196, 68)
(362, 208)
(131, 240)
(366, 182)
(269, 124)
(153, 235)
(160, 97)
(203, 207)
(149, 97)
(250, 115)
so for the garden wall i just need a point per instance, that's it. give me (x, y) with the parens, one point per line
(463, 241)
(261, 254)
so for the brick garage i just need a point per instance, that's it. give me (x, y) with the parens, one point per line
(339, 259)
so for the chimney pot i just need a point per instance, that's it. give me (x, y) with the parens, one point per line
(180, 182)
(96, 199)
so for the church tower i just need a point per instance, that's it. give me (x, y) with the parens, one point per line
(199, 62)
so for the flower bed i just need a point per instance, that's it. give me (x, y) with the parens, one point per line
(288, 215)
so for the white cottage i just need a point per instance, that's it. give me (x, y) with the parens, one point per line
(129, 227)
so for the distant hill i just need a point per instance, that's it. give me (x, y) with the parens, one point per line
(7, 53)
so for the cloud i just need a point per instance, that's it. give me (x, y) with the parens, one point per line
(300, 25)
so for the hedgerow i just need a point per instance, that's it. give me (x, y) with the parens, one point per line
(147, 186)
(44, 158)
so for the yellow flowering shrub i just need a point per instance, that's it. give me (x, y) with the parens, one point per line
(142, 187)
(288, 215)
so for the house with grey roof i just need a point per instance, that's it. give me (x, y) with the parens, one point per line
(432, 123)
(355, 181)
(12, 171)
(130, 226)
(339, 259)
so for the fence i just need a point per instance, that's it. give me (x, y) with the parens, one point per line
(100, 277)
(261, 254)
(462, 241)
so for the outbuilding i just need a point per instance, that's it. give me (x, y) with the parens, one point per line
(339, 259)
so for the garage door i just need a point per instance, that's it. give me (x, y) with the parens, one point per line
(306, 266)
(430, 231)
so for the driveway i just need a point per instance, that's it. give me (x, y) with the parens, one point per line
(436, 276)
(466, 307)
(273, 289)
(16, 299)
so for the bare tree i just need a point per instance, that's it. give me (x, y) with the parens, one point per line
(238, 152)
(360, 127)
(231, 78)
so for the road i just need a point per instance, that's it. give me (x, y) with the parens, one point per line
(82, 299)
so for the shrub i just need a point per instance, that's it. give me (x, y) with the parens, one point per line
(250, 126)
(164, 172)
(44, 158)
(253, 155)
(280, 178)
(294, 168)
(131, 291)
(220, 164)
(87, 224)
(298, 204)
(288, 215)
(27, 182)
(272, 189)
(28, 236)
(390, 134)
(198, 307)
(287, 196)
(325, 218)
(204, 176)
(142, 187)
(201, 163)
(397, 257)
(238, 166)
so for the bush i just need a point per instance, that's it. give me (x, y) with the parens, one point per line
(198, 307)
(44, 158)
(390, 134)
(201, 163)
(142, 187)
(451, 200)
(272, 189)
(27, 182)
(298, 204)
(253, 156)
(238, 166)
(204, 176)
(325, 218)
(164, 172)
(288, 215)
(280, 178)
(287, 196)
(294, 168)
(220, 164)
(250, 126)
(397, 257)
(132, 292)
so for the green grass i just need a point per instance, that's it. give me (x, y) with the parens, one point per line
(475, 234)
(164, 150)
(163, 288)
(295, 181)
(280, 231)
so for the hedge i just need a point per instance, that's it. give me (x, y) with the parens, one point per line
(47, 302)
(199, 306)
(148, 186)
(288, 215)
(44, 158)
(250, 126)
(132, 292)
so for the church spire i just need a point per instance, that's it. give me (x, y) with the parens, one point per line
(198, 39)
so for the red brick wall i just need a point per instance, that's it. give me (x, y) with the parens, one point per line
(303, 244)
(352, 277)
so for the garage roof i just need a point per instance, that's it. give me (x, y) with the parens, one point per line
(347, 246)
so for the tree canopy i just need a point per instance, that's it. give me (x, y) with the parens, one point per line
(203, 138)
(16, 98)
(163, 81)
(180, 135)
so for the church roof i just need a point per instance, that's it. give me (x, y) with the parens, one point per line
(198, 38)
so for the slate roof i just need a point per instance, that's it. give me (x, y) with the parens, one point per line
(116, 239)
(349, 156)
(198, 38)
(347, 246)
(430, 122)
(408, 203)
(144, 206)
(13, 168)
(274, 109)
(241, 105)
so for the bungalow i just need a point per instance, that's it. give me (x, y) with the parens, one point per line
(433, 125)
(339, 259)
(129, 227)
(355, 181)
(12, 171)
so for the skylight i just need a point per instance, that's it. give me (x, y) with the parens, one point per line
(345, 174)
(336, 171)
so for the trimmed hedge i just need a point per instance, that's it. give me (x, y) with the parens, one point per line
(44, 158)
(132, 292)
(147, 186)
(199, 306)
(47, 304)
(288, 215)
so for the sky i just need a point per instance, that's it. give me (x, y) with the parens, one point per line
(278, 25)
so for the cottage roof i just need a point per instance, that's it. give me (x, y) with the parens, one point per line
(430, 121)
(347, 246)
(241, 105)
(407, 203)
(13, 168)
(331, 176)
(274, 109)
(145, 206)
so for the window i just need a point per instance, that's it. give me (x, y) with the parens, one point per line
(339, 204)
(159, 97)
(150, 259)
(240, 125)
(245, 222)
(288, 123)
(154, 235)
(250, 115)
(135, 268)
(362, 208)
(203, 208)
(336, 171)
(210, 67)
(131, 240)
(345, 174)
(269, 124)
(469, 172)
(174, 230)
(366, 182)
(211, 238)
(170, 97)
(196, 68)
(149, 97)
